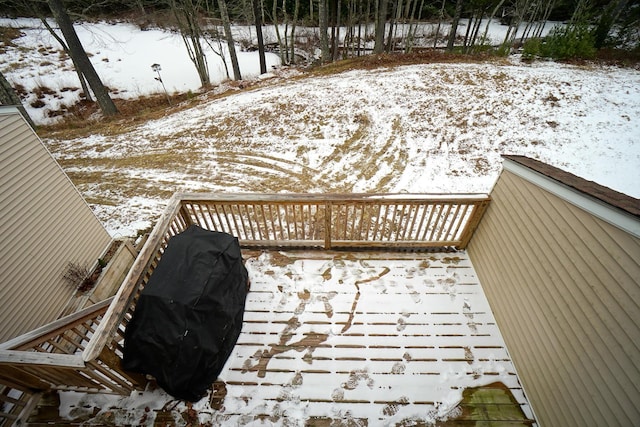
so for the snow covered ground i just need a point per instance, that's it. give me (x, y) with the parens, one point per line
(437, 127)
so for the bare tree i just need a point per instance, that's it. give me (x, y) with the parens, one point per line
(473, 28)
(80, 58)
(276, 24)
(493, 14)
(186, 13)
(411, 34)
(548, 7)
(381, 20)
(81, 78)
(226, 23)
(323, 18)
(454, 25)
(33, 8)
(354, 15)
(520, 9)
(218, 50)
(257, 16)
(296, 10)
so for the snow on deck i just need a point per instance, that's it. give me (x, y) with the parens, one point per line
(370, 338)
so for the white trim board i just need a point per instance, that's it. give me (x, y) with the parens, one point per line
(594, 206)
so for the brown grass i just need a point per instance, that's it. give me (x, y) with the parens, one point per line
(84, 118)
(390, 60)
(7, 36)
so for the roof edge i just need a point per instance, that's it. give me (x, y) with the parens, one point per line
(8, 108)
(614, 207)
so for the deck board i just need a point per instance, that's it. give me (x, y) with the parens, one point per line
(376, 338)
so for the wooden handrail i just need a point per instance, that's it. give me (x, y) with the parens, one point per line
(339, 220)
(15, 357)
(55, 328)
(123, 298)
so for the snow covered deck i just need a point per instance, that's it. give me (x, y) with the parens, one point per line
(375, 338)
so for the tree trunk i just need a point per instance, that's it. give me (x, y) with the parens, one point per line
(296, 9)
(440, 18)
(276, 25)
(285, 40)
(392, 25)
(257, 15)
(366, 23)
(366, 26)
(381, 20)
(324, 27)
(37, 12)
(493, 14)
(83, 81)
(81, 59)
(545, 17)
(8, 96)
(222, 4)
(470, 24)
(336, 31)
(454, 25)
(412, 26)
(186, 14)
(520, 8)
(476, 29)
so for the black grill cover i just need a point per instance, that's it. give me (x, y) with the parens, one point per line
(189, 315)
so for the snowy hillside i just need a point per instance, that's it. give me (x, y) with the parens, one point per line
(433, 127)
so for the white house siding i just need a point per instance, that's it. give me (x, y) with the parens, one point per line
(564, 288)
(45, 225)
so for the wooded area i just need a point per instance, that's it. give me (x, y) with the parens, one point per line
(341, 29)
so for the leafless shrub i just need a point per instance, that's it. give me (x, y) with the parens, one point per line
(79, 276)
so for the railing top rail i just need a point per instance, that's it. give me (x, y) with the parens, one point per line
(330, 197)
(122, 298)
(56, 327)
(13, 357)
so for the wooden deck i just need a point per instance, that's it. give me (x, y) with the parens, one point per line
(355, 338)
(362, 337)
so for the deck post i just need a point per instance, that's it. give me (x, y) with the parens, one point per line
(474, 221)
(185, 215)
(327, 225)
(114, 362)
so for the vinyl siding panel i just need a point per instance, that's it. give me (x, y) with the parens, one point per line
(45, 223)
(564, 289)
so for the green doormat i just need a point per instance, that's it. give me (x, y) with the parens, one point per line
(491, 405)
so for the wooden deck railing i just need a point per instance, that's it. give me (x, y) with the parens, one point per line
(82, 351)
(337, 221)
(51, 356)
